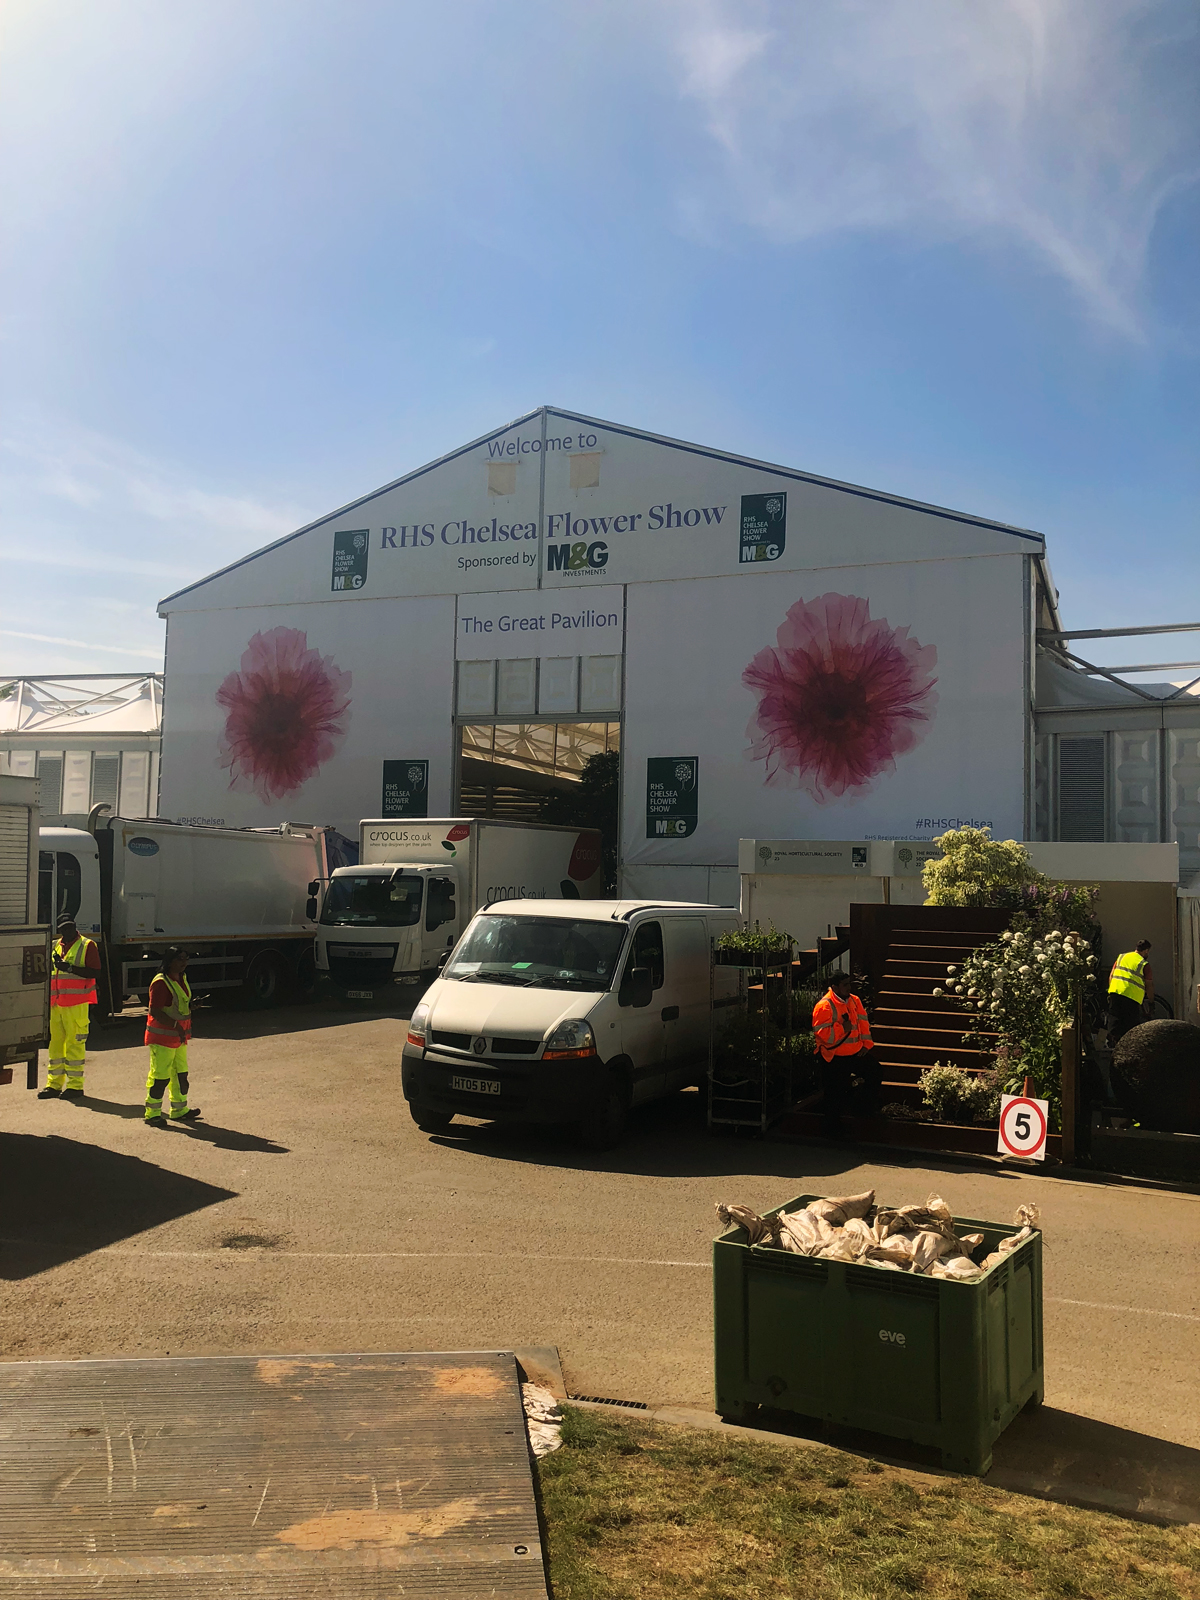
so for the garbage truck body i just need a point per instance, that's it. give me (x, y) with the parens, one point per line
(392, 919)
(242, 901)
(25, 936)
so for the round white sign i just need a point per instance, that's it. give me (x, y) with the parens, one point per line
(1023, 1126)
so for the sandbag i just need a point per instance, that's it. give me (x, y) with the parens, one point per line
(961, 1267)
(838, 1210)
(804, 1233)
(910, 1238)
(757, 1228)
(928, 1247)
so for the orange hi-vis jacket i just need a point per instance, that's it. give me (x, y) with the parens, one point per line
(65, 988)
(175, 1033)
(841, 1026)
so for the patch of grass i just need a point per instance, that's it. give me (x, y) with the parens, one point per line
(639, 1511)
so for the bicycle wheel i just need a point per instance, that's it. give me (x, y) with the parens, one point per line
(1160, 1008)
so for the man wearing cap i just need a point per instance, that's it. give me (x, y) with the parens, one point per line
(76, 962)
(168, 1029)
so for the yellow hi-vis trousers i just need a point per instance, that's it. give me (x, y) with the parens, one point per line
(167, 1067)
(68, 1045)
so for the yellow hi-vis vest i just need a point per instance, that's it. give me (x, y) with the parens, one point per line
(1126, 977)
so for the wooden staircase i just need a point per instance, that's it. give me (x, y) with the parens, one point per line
(912, 1028)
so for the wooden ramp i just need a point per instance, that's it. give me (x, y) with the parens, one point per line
(340, 1476)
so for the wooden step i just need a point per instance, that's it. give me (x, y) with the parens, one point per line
(933, 972)
(909, 1072)
(935, 1015)
(917, 1032)
(959, 1055)
(918, 1005)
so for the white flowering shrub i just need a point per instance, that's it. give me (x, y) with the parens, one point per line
(1019, 994)
(954, 1095)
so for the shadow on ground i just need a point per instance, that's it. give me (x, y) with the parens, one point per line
(1060, 1456)
(670, 1139)
(60, 1200)
(1051, 1454)
(123, 1031)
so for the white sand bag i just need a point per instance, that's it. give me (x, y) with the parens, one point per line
(960, 1267)
(757, 1228)
(803, 1233)
(838, 1209)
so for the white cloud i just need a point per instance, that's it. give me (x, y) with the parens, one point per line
(1064, 124)
(93, 473)
(78, 644)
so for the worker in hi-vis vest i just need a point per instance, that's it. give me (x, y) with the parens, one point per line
(75, 961)
(168, 1029)
(847, 1051)
(1130, 991)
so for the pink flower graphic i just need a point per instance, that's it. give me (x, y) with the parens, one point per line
(839, 697)
(286, 714)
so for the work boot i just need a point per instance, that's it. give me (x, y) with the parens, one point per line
(49, 1094)
(186, 1116)
(72, 1094)
(156, 1122)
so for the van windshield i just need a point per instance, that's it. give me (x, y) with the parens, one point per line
(375, 900)
(547, 952)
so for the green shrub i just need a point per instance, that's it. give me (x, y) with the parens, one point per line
(954, 1095)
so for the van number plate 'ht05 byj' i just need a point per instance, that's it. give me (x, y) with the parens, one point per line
(476, 1085)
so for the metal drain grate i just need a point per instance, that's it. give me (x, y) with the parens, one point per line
(604, 1400)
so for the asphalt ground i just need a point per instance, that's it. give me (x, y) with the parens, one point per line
(307, 1213)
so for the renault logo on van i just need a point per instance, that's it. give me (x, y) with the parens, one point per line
(480, 1047)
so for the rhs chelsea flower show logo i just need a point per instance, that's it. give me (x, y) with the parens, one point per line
(350, 559)
(764, 527)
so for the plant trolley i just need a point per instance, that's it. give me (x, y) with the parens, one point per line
(750, 1035)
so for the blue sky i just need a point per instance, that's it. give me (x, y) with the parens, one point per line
(264, 256)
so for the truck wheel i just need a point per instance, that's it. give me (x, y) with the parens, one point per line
(604, 1128)
(305, 981)
(260, 986)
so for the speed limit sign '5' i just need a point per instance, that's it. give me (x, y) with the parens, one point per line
(1023, 1124)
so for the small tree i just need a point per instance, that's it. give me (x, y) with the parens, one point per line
(976, 870)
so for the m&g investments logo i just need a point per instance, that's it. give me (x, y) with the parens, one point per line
(764, 526)
(350, 559)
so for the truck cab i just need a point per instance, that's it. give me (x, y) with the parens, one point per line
(387, 924)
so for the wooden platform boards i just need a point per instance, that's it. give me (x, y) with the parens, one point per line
(340, 1476)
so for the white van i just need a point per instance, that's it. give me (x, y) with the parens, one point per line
(567, 1011)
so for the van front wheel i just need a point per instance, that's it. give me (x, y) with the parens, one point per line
(604, 1127)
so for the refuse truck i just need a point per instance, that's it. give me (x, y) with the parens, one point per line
(392, 918)
(242, 901)
(25, 935)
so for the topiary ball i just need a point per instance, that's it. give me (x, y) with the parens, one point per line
(1160, 1061)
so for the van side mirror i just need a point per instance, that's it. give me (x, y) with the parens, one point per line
(315, 886)
(637, 987)
(310, 908)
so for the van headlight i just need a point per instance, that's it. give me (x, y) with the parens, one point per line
(569, 1041)
(417, 1025)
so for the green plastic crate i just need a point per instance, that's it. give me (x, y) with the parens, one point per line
(923, 1359)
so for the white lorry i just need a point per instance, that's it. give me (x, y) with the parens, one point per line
(392, 918)
(562, 1012)
(25, 935)
(243, 901)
